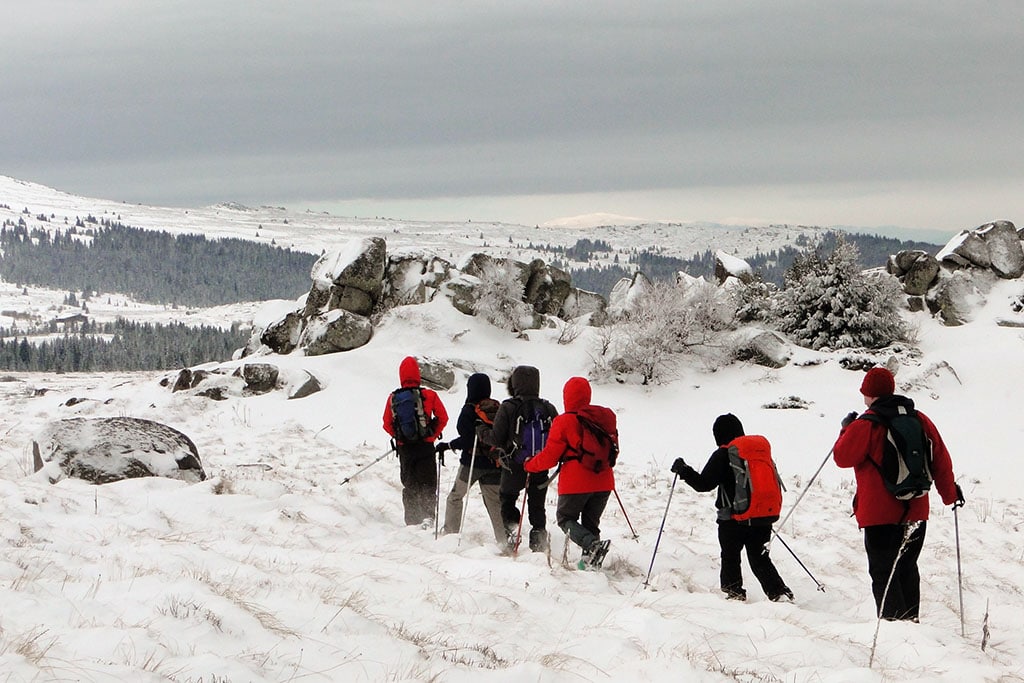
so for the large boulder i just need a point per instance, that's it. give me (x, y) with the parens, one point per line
(413, 278)
(436, 374)
(260, 378)
(283, 335)
(102, 450)
(917, 269)
(351, 278)
(546, 288)
(762, 347)
(959, 294)
(1004, 249)
(627, 292)
(580, 302)
(337, 330)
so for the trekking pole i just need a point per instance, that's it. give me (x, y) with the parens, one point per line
(821, 586)
(437, 497)
(366, 467)
(522, 514)
(469, 483)
(806, 489)
(636, 536)
(959, 572)
(647, 581)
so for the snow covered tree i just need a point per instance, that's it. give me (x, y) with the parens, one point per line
(664, 323)
(830, 302)
(500, 298)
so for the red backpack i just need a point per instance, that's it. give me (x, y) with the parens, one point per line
(758, 487)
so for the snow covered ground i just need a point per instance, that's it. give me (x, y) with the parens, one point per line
(274, 570)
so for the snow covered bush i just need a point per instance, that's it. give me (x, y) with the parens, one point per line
(668, 320)
(830, 302)
(499, 298)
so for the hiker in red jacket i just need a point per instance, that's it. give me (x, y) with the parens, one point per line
(890, 525)
(754, 533)
(582, 492)
(416, 453)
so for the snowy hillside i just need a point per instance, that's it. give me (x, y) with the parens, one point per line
(274, 570)
(315, 232)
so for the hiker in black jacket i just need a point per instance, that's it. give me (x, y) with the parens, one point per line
(477, 461)
(733, 536)
(524, 392)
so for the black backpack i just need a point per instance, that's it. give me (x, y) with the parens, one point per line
(906, 466)
(533, 422)
(407, 415)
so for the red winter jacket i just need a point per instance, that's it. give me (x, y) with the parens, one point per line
(564, 440)
(873, 505)
(437, 416)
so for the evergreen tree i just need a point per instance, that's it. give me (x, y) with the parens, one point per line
(830, 302)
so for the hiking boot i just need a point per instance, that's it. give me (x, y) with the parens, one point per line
(594, 555)
(538, 540)
(732, 594)
(785, 596)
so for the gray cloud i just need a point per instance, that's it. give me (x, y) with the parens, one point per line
(195, 102)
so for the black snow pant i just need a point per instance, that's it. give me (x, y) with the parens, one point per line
(512, 483)
(418, 473)
(883, 543)
(733, 537)
(590, 506)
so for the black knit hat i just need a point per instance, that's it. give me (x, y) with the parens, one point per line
(726, 428)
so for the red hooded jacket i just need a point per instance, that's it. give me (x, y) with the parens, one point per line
(437, 416)
(564, 440)
(863, 441)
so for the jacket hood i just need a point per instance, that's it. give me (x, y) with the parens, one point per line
(525, 381)
(726, 428)
(478, 387)
(889, 407)
(576, 394)
(409, 372)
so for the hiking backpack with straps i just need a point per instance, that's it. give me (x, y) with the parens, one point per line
(532, 424)
(906, 466)
(485, 409)
(408, 416)
(758, 491)
(599, 447)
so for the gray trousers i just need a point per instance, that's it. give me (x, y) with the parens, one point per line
(488, 491)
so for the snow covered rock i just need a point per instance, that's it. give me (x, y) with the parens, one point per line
(260, 378)
(994, 245)
(107, 449)
(727, 265)
(546, 288)
(413, 278)
(337, 330)
(762, 347)
(917, 269)
(627, 292)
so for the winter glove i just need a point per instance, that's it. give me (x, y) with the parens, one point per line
(850, 417)
(959, 497)
(440, 448)
(679, 467)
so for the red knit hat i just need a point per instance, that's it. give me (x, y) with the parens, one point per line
(878, 382)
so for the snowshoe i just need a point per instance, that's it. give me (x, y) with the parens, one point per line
(593, 557)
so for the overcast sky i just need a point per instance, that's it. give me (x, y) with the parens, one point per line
(859, 113)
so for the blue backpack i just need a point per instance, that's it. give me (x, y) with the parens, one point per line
(533, 422)
(407, 415)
